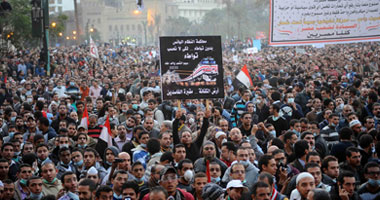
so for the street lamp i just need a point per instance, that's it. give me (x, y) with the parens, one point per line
(53, 24)
(91, 30)
(60, 34)
(67, 38)
(74, 37)
(74, 32)
(136, 12)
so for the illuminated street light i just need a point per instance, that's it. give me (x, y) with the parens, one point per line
(74, 32)
(60, 34)
(67, 38)
(74, 37)
(91, 30)
(136, 12)
(53, 24)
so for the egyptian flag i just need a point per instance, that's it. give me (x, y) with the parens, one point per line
(244, 78)
(84, 121)
(105, 138)
(93, 49)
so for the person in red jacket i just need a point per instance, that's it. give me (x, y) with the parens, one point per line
(169, 181)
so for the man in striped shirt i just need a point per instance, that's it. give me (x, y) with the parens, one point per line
(94, 129)
(239, 108)
(329, 132)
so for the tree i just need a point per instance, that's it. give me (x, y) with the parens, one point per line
(177, 26)
(238, 19)
(60, 27)
(16, 25)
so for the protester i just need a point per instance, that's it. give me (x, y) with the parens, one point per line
(314, 114)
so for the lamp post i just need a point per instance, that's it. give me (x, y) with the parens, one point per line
(144, 23)
(45, 51)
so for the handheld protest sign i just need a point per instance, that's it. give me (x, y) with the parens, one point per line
(191, 67)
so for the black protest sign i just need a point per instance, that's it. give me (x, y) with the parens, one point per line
(191, 67)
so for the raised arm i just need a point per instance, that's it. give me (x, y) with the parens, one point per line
(204, 128)
(175, 127)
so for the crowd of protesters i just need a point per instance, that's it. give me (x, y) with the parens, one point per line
(308, 127)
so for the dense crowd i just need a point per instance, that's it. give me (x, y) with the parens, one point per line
(308, 127)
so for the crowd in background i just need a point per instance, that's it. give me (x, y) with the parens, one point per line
(308, 127)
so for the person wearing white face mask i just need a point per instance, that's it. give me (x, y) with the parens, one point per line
(290, 109)
(262, 110)
(186, 174)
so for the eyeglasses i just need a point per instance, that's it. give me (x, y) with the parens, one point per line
(169, 178)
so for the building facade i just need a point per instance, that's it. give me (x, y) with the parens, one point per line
(59, 6)
(120, 21)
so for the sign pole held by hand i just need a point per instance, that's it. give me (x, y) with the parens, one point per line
(207, 103)
(179, 104)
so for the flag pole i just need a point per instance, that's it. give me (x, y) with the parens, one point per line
(93, 68)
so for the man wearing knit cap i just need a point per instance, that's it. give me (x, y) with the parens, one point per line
(220, 138)
(305, 183)
(208, 152)
(356, 126)
(212, 191)
(92, 174)
(109, 156)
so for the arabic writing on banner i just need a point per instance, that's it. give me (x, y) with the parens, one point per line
(191, 67)
(316, 21)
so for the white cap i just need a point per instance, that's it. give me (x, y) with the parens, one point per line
(92, 170)
(303, 175)
(236, 184)
(354, 122)
(220, 133)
